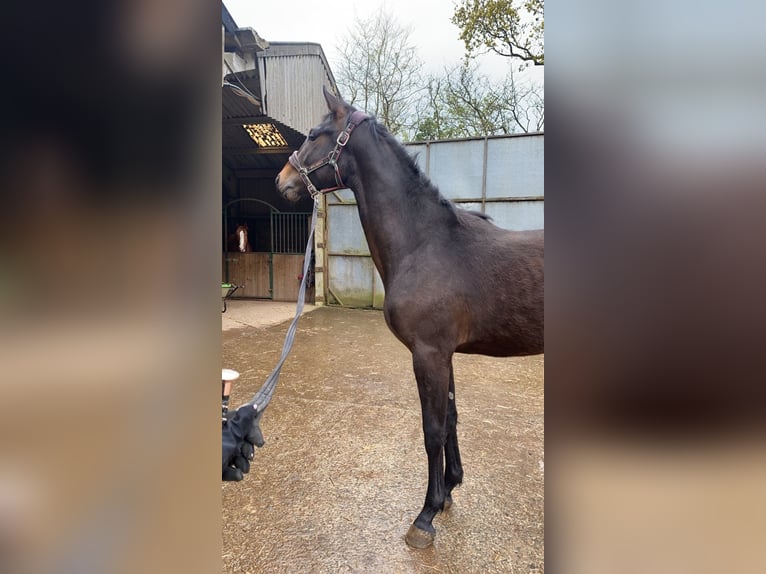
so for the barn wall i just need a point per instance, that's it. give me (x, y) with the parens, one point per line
(502, 176)
(287, 272)
(291, 80)
(250, 271)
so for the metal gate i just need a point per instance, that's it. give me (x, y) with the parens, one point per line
(272, 270)
(502, 176)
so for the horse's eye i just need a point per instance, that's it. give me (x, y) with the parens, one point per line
(312, 135)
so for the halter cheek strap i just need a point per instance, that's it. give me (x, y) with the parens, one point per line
(357, 117)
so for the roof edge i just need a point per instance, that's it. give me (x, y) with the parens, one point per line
(228, 21)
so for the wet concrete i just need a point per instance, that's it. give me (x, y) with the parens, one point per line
(258, 313)
(343, 472)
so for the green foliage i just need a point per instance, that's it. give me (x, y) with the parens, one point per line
(514, 30)
(435, 120)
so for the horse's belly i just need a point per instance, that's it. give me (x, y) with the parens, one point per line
(500, 348)
(506, 341)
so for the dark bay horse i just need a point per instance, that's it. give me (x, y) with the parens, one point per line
(454, 282)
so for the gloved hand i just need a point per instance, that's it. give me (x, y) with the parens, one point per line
(241, 433)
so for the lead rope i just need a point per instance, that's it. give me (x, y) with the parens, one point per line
(261, 399)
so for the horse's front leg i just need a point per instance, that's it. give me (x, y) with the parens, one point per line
(432, 372)
(453, 467)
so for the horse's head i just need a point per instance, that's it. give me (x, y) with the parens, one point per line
(317, 166)
(241, 234)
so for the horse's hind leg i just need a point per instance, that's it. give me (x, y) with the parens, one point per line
(453, 472)
(432, 369)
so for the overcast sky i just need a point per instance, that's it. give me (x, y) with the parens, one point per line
(432, 33)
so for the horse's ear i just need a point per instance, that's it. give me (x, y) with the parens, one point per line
(334, 103)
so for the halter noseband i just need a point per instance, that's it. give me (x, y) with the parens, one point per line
(332, 158)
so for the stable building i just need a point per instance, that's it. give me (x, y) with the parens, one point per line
(272, 96)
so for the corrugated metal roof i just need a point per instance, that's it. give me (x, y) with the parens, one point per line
(239, 102)
(239, 150)
(284, 90)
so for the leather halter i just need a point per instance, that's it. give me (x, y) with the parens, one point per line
(332, 158)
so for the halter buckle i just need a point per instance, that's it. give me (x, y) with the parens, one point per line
(343, 137)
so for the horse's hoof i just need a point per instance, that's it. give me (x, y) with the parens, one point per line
(447, 503)
(418, 538)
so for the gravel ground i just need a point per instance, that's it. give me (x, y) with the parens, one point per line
(343, 472)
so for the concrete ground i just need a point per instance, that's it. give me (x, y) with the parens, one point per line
(343, 472)
(242, 313)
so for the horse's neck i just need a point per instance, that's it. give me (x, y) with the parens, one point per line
(394, 219)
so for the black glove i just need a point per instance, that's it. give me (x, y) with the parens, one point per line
(240, 435)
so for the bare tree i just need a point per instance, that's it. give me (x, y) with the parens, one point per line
(524, 104)
(464, 103)
(379, 70)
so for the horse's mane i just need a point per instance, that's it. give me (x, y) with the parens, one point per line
(419, 180)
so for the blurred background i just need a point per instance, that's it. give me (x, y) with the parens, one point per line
(109, 295)
(655, 275)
